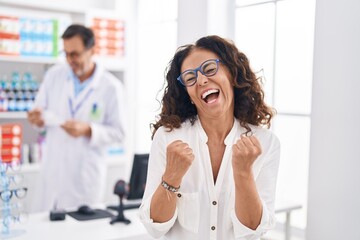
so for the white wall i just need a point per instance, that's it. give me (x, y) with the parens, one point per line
(221, 18)
(334, 174)
(192, 17)
(205, 17)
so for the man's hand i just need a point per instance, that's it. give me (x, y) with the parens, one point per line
(35, 117)
(245, 152)
(77, 128)
(179, 157)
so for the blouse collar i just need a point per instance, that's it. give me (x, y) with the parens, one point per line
(229, 138)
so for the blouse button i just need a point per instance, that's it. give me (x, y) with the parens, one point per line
(214, 202)
(213, 228)
(179, 194)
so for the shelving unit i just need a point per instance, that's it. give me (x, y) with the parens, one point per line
(12, 115)
(30, 59)
(117, 166)
(39, 64)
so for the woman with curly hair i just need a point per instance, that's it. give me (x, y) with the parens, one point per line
(213, 165)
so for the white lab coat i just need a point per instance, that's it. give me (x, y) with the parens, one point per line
(73, 170)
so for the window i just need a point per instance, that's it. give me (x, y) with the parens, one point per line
(157, 42)
(277, 36)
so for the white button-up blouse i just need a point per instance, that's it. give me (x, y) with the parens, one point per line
(205, 210)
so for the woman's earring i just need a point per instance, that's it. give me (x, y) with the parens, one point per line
(192, 102)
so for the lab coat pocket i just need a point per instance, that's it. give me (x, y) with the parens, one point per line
(189, 211)
(97, 112)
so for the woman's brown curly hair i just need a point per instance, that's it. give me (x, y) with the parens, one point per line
(249, 105)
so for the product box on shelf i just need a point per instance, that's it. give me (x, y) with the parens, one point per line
(29, 36)
(10, 142)
(109, 36)
(18, 92)
(9, 35)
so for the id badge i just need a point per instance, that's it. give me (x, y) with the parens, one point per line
(95, 112)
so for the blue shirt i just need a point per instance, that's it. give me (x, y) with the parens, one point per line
(78, 85)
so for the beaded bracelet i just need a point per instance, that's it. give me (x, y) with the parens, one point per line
(169, 187)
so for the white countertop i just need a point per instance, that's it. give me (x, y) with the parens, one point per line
(39, 227)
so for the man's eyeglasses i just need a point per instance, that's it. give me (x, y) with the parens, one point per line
(74, 54)
(208, 68)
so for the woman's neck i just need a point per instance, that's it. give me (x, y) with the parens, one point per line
(217, 129)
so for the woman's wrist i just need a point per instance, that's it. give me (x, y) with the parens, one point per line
(169, 187)
(243, 174)
(171, 180)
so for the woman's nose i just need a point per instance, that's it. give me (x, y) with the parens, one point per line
(201, 79)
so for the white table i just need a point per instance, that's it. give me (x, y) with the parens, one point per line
(287, 207)
(39, 227)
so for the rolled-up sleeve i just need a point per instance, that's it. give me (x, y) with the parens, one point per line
(266, 186)
(156, 230)
(242, 232)
(156, 168)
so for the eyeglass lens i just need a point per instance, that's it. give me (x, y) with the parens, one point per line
(20, 192)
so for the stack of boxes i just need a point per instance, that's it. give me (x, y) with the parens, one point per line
(38, 37)
(109, 37)
(9, 36)
(27, 36)
(10, 143)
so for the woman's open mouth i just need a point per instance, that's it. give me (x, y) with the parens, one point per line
(210, 96)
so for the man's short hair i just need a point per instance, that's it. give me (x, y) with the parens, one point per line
(86, 34)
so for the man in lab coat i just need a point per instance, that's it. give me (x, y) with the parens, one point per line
(80, 107)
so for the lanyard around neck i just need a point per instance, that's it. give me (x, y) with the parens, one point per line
(75, 109)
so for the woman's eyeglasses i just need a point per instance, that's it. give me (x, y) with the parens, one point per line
(6, 195)
(208, 68)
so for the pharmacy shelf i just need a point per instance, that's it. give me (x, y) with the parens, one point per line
(15, 115)
(30, 59)
(110, 63)
(30, 167)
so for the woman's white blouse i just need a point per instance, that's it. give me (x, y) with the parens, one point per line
(204, 210)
